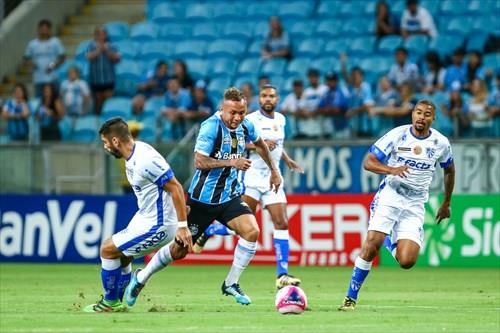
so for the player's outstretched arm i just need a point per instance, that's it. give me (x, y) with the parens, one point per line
(183, 234)
(263, 151)
(373, 164)
(449, 183)
(292, 165)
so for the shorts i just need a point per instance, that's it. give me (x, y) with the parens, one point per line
(267, 197)
(142, 236)
(202, 215)
(404, 219)
(102, 87)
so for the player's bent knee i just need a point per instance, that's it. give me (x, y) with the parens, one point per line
(177, 252)
(407, 264)
(281, 224)
(251, 235)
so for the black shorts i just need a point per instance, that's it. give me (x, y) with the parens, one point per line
(202, 215)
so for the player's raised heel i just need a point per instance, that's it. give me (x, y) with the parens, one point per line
(287, 280)
(133, 289)
(200, 243)
(105, 306)
(235, 291)
(349, 304)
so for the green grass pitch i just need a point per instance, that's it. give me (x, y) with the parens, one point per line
(49, 298)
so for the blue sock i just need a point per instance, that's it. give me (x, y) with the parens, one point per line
(359, 274)
(126, 275)
(110, 276)
(281, 248)
(390, 246)
(217, 229)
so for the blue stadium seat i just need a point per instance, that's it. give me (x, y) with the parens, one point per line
(207, 31)
(479, 7)
(255, 48)
(175, 31)
(117, 107)
(446, 44)
(190, 49)
(237, 29)
(128, 49)
(152, 107)
(326, 64)
(165, 13)
(301, 29)
(166, 129)
(361, 46)
(388, 44)
(298, 66)
(231, 11)
(295, 9)
(34, 104)
(328, 8)
(198, 12)
(219, 84)
(352, 8)
(380, 65)
(432, 6)
(398, 8)
(222, 67)
(261, 29)
(417, 44)
(337, 46)
(117, 31)
(328, 28)
(273, 67)
(460, 25)
(486, 24)
(356, 26)
(249, 66)
(156, 50)
(226, 48)
(453, 7)
(149, 130)
(262, 9)
(198, 68)
(370, 8)
(66, 128)
(310, 47)
(249, 78)
(476, 41)
(144, 31)
(81, 49)
(492, 61)
(85, 130)
(278, 81)
(128, 74)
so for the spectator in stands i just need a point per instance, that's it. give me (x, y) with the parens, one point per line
(434, 73)
(201, 105)
(401, 113)
(252, 99)
(417, 20)
(291, 105)
(154, 83)
(49, 113)
(456, 72)
(308, 120)
(403, 70)
(45, 53)
(386, 97)
(177, 102)
(477, 111)
(102, 57)
(494, 106)
(385, 22)
(75, 94)
(276, 44)
(453, 108)
(474, 69)
(182, 74)
(16, 112)
(333, 107)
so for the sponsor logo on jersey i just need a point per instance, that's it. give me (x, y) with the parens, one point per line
(430, 152)
(414, 164)
(158, 237)
(158, 165)
(226, 140)
(404, 149)
(417, 150)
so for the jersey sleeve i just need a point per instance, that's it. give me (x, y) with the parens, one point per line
(446, 158)
(157, 171)
(253, 133)
(384, 146)
(206, 137)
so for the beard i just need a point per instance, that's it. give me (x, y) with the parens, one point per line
(115, 153)
(268, 107)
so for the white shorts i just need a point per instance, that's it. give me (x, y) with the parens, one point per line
(402, 219)
(266, 197)
(142, 236)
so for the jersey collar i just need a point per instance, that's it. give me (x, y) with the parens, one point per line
(265, 114)
(418, 137)
(132, 153)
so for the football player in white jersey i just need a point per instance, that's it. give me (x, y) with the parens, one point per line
(271, 126)
(160, 218)
(408, 156)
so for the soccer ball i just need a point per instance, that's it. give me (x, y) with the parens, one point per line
(291, 300)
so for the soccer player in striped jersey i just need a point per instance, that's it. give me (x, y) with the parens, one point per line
(215, 191)
(408, 156)
(160, 218)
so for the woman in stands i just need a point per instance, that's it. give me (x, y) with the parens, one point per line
(477, 110)
(276, 44)
(433, 73)
(182, 74)
(16, 112)
(385, 22)
(49, 113)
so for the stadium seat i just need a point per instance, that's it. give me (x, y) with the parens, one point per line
(198, 12)
(156, 50)
(175, 31)
(337, 46)
(226, 48)
(460, 25)
(492, 61)
(222, 67)
(310, 47)
(388, 44)
(128, 49)
(198, 68)
(34, 104)
(328, 28)
(328, 8)
(485, 24)
(238, 30)
(81, 49)
(417, 44)
(326, 64)
(446, 44)
(85, 130)
(219, 84)
(166, 129)
(223, 11)
(432, 7)
(398, 8)
(143, 32)
(361, 46)
(453, 7)
(301, 29)
(476, 41)
(190, 49)
(380, 65)
(207, 31)
(255, 48)
(278, 81)
(479, 7)
(165, 13)
(66, 128)
(370, 8)
(258, 10)
(128, 74)
(249, 66)
(298, 66)
(273, 67)
(117, 31)
(356, 26)
(295, 9)
(117, 107)
(352, 8)
(261, 29)
(149, 130)
(249, 78)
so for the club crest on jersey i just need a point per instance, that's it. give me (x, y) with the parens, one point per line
(275, 128)
(430, 152)
(417, 150)
(234, 143)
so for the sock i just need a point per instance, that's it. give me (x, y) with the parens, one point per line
(391, 247)
(124, 280)
(243, 254)
(160, 260)
(110, 276)
(218, 229)
(359, 274)
(281, 248)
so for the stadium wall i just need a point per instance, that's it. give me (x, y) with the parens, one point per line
(325, 229)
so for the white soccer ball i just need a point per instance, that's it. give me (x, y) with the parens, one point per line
(291, 300)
